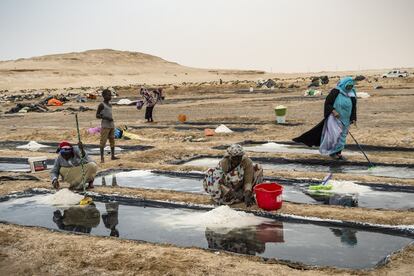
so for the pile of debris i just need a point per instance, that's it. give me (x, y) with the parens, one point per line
(20, 97)
(264, 84)
(72, 109)
(24, 108)
(317, 81)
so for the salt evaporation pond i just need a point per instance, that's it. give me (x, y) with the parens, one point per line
(14, 167)
(272, 147)
(384, 171)
(306, 243)
(362, 196)
(149, 180)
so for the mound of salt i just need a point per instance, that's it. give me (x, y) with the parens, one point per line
(220, 217)
(62, 197)
(124, 102)
(222, 129)
(363, 95)
(348, 187)
(32, 145)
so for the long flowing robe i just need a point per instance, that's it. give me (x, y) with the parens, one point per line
(345, 106)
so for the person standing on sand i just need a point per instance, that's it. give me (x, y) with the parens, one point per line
(340, 112)
(68, 165)
(151, 98)
(104, 113)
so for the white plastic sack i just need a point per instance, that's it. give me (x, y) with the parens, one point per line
(331, 134)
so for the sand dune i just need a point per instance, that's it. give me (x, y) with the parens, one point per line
(102, 68)
(108, 67)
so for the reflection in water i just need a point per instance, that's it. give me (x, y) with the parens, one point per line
(114, 181)
(77, 218)
(83, 218)
(348, 236)
(249, 241)
(348, 200)
(110, 218)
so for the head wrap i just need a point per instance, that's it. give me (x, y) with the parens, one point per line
(344, 82)
(64, 145)
(235, 150)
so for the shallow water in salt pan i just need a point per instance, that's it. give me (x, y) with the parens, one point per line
(364, 195)
(385, 171)
(306, 243)
(14, 167)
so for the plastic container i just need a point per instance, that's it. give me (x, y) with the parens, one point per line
(280, 112)
(269, 196)
(37, 164)
(182, 118)
(209, 132)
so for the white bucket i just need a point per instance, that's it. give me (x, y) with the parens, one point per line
(37, 163)
(251, 89)
(281, 119)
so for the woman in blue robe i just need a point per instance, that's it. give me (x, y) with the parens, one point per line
(340, 109)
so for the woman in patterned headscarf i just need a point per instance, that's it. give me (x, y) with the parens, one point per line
(232, 181)
(340, 112)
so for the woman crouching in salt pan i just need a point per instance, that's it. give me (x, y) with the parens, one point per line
(340, 112)
(232, 181)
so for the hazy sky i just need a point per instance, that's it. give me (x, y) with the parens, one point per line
(271, 35)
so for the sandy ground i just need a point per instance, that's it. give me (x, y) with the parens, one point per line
(383, 119)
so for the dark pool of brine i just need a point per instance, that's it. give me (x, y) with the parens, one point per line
(292, 193)
(306, 243)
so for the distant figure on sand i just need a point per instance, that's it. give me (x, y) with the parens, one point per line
(68, 165)
(104, 113)
(340, 112)
(232, 181)
(151, 98)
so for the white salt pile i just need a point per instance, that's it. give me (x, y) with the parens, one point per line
(222, 129)
(348, 187)
(61, 198)
(272, 145)
(220, 217)
(32, 146)
(363, 95)
(124, 102)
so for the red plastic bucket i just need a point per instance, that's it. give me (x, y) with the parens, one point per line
(269, 196)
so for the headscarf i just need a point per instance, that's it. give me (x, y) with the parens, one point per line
(64, 146)
(344, 82)
(235, 150)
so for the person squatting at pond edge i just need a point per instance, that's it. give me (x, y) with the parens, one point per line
(339, 113)
(151, 98)
(68, 165)
(233, 180)
(104, 113)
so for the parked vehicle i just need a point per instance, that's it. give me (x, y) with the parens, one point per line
(395, 74)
